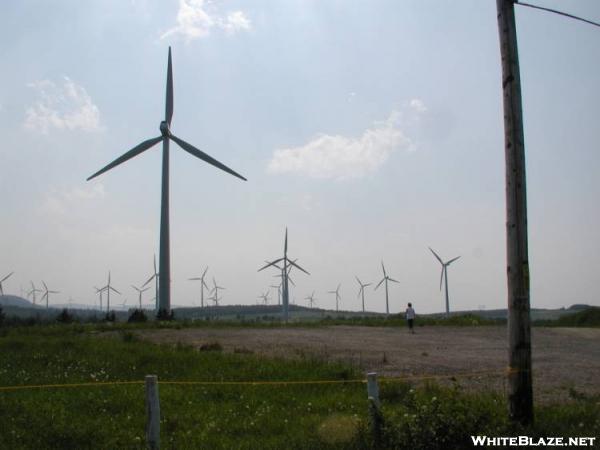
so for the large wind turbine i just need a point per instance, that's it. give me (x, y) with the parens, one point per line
(47, 293)
(337, 296)
(444, 276)
(2, 281)
(285, 294)
(164, 294)
(386, 278)
(202, 285)
(361, 291)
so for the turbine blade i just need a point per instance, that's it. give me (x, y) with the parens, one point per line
(451, 261)
(169, 99)
(204, 273)
(45, 287)
(368, 284)
(436, 256)
(128, 155)
(383, 267)
(204, 157)
(270, 264)
(114, 290)
(442, 277)
(358, 280)
(285, 244)
(379, 284)
(298, 267)
(391, 279)
(194, 279)
(6, 277)
(291, 281)
(149, 280)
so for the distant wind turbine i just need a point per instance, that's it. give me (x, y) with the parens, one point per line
(278, 287)
(265, 297)
(361, 291)
(2, 281)
(108, 288)
(140, 292)
(337, 296)
(285, 292)
(444, 276)
(202, 285)
(164, 295)
(47, 293)
(215, 289)
(33, 291)
(99, 292)
(311, 299)
(154, 277)
(386, 278)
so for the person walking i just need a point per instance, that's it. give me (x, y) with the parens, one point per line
(410, 318)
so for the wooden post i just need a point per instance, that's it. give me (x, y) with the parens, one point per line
(375, 417)
(152, 413)
(520, 395)
(373, 388)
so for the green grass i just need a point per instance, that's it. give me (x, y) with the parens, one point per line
(316, 416)
(589, 317)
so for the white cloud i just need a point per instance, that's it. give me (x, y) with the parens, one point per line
(60, 203)
(65, 107)
(340, 157)
(195, 19)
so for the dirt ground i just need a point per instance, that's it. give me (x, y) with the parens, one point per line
(564, 359)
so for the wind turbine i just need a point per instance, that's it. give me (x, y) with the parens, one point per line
(285, 293)
(202, 285)
(311, 299)
(154, 277)
(47, 293)
(337, 296)
(164, 295)
(215, 289)
(2, 281)
(278, 287)
(99, 292)
(140, 292)
(108, 288)
(265, 297)
(361, 291)
(386, 278)
(443, 276)
(33, 291)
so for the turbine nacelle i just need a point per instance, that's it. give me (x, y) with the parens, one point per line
(164, 129)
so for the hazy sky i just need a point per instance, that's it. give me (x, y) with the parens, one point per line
(372, 129)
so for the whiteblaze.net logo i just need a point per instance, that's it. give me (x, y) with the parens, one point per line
(526, 441)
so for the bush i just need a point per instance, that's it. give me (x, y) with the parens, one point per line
(2, 316)
(164, 315)
(65, 317)
(110, 317)
(138, 315)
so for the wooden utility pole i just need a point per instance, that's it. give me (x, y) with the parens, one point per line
(520, 395)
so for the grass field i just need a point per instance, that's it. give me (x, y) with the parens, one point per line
(310, 416)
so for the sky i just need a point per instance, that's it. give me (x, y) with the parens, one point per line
(371, 130)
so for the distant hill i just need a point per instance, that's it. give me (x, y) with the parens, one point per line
(14, 300)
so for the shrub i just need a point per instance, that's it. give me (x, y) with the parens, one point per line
(65, 316)
(138, 315)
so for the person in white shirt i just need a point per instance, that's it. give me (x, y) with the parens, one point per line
(410, 318)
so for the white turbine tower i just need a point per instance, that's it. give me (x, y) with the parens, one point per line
(47, 293)
(444, 277)
(164, 294)
(285, 292)
(33, 291)
(386, 278)
(202, 285)
(108, 288)
(337, 296)
(154, 277)
(140, 292)
(361, 291)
